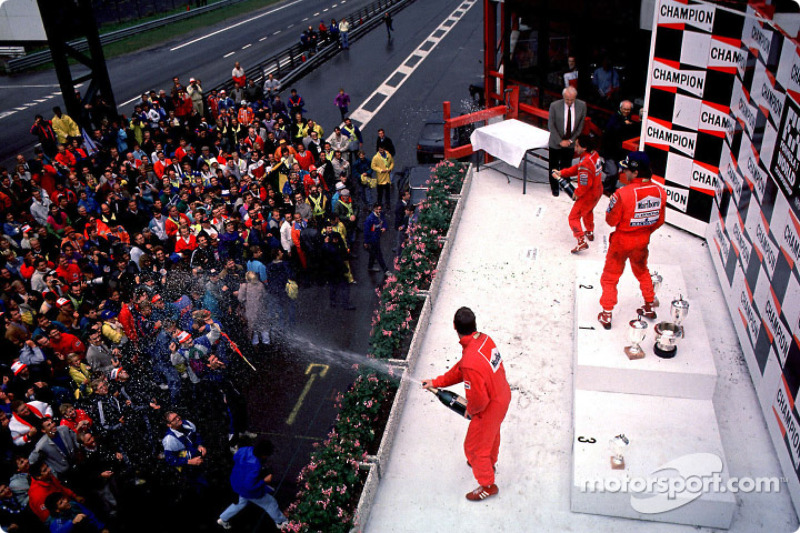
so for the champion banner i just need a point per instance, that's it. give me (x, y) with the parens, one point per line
(744, 161)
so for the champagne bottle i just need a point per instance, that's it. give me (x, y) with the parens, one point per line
(453, 401)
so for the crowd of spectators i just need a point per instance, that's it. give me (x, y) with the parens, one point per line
(133, 250)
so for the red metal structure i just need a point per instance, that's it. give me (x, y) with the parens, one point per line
(526, 46)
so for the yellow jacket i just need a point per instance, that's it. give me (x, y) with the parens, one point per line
(65, 127)
(113, 332)
(80, 376)
(383, 168)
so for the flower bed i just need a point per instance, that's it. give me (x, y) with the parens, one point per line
(331, 483)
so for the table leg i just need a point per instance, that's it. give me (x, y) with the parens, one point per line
(525, 173)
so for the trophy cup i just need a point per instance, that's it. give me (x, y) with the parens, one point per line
(667, 335)
(617, 446)
(680, 308)
(636, 334)
(657, 279)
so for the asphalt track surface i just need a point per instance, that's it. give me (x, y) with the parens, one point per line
(284, 373)
(207, 54)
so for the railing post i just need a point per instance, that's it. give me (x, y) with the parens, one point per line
(446, 113)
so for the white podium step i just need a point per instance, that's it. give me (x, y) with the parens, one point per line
(674, 444)
(601, 363)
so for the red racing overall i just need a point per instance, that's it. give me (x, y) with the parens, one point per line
(587, 193)
(636, 210)
(488, 395)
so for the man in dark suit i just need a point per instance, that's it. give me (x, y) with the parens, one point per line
(565, 124)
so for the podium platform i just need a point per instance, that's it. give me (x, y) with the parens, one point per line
(600, 362)
(664, 406)
(662, 431)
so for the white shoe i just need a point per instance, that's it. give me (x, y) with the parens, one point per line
(255, 338)
(223, 524)
(265, 337)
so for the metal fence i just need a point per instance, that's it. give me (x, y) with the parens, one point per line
(294, 62)
(40, 58)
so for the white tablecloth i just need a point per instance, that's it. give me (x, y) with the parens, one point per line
(509, 140)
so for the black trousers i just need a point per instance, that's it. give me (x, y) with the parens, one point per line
(559, 158)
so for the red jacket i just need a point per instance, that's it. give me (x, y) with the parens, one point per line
(70, 274)
(127, 321)
(159, 167)
(40, 490)
(637, 208)
(172, 226)
(589, 171)
(245, 116)
(306, 159)
(482, 371)
(80, 416)
(69, 343)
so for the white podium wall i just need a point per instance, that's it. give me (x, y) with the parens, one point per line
(664, 406)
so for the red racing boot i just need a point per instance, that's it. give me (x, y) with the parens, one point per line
(482, 492)
(648, 310)
(582, 245)
(605, 319)
(590, 235)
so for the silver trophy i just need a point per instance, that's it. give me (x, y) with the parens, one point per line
(617, 445)
(667, 335)
(657, 280)
(680, 308)
(636, 334)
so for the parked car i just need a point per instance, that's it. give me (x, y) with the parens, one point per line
(414, 179)
(430, 143)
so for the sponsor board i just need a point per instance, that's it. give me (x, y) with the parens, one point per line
(666, 76)
(700, 16)
(788, 74)
(726, 54)
(659, 133)
(677, 197)
(786, 158)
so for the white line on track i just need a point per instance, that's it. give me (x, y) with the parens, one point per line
(251, 19)
(5, 114)
(229, 54)
(262, 39)
(305, 19)
(126, 102)
(316, 14)
(245, 47)
(276, 32)
(28, 86)
(361, 115)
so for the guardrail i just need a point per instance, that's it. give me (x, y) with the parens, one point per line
(294, 62)
(40, 58)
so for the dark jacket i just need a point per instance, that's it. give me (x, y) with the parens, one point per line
(372, 228)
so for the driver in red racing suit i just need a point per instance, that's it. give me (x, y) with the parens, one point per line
(588, 191)
(636, 210)
(488, 396)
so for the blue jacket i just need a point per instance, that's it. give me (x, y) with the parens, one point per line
(372, 228)
(247, 479)
(63, 523)
(181, 446)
